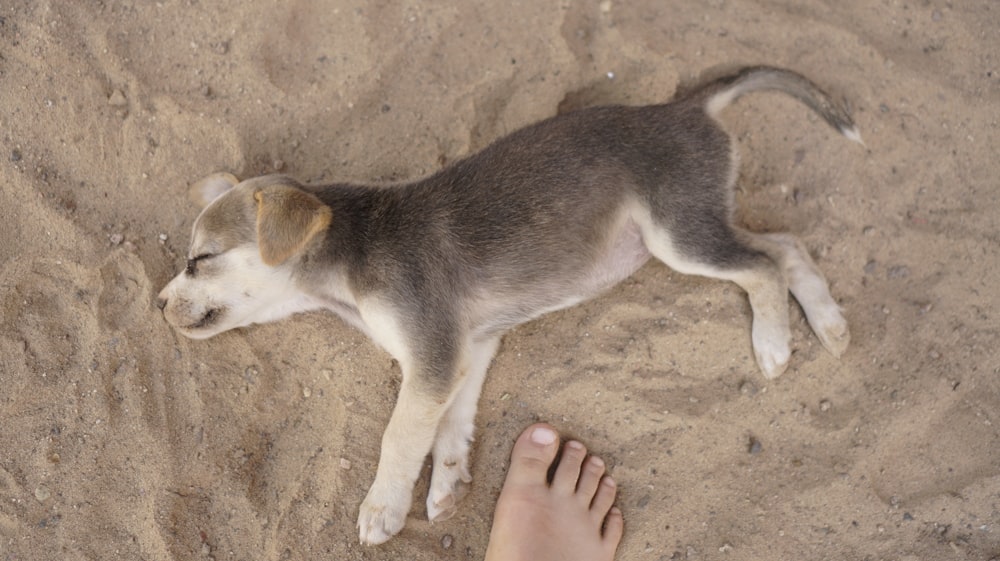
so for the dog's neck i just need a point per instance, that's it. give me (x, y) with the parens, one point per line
(333, 272)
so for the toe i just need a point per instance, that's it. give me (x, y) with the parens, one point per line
(604, 498)
(568, 471)
(533, 454)
(614, 525)
(590, 478)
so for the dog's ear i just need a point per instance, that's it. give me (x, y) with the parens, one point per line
(209, 188)
(287, 218)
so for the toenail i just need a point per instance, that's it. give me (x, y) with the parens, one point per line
(543, 436)
(596, 462)
(608, 481)
(575, 445)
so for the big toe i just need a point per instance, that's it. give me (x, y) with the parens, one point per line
(533, 454)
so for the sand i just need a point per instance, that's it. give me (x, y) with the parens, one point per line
(119, 439)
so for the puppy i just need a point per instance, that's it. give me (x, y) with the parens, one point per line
(437, 270)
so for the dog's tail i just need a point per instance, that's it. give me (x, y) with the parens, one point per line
(717, 95)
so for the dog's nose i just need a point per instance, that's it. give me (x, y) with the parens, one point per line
(161, 303)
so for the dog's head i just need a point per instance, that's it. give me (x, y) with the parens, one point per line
(242, 256)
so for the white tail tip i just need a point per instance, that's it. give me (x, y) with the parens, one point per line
(853, 134)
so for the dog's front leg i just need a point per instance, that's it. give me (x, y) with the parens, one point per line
(406, 441)
(451, 447)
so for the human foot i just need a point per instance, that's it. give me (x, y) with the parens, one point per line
(569, 518)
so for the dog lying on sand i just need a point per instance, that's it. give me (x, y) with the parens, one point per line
(436, 270)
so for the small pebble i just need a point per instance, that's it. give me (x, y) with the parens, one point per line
(748, 388)
(605, 6)
(898, 272)
(15, 155)
(42, 493)
(643, 502)
(116, 239)
(446, 541)
(934, 354)
(163, 238)
(755, 446)
(825, 405)
(306, 391)
(907, 516)
(345, 463)
(278, 165)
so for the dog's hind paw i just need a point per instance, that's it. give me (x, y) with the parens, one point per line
(771, 348)
(772, 364)
(833, 333)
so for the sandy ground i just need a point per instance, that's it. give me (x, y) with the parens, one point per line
(120, 439)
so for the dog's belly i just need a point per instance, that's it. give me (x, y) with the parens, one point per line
(623, 255)
(626, 254)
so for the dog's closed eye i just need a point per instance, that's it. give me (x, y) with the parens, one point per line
(192, 264)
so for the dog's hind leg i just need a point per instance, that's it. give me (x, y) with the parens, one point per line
(811, 290)
(455, 433)
(711, 247)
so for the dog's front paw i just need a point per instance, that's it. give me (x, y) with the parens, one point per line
(382, 516)
(449, 483)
